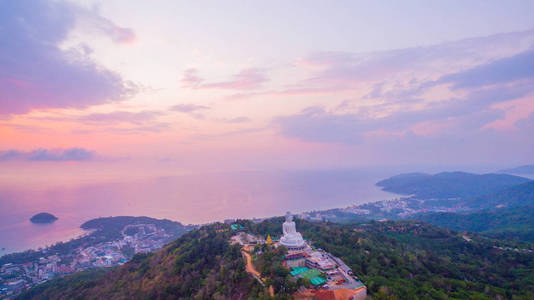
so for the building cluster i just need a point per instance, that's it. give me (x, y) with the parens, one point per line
(323, 270)
(139, 238)
(385, 209)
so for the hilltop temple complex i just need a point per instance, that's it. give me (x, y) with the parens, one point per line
(329, 276)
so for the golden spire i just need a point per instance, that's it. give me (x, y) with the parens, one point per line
(269, 240)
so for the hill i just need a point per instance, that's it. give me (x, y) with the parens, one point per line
(448, 184)
(201, 264)
(103, 230)
(527, 169)
(510, 223)
(43, 218)
(111, 227)
(519, 195)
(395, 260)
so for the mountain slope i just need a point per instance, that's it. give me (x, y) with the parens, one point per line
(527, 169)
(104, 230)
(395, 260)
(519, 195)
(448, 184)
(201, 264)
(515, 222)
(414, 260)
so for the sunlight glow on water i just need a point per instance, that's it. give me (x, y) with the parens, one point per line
(189, 199)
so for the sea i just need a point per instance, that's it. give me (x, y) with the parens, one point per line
(190, 199)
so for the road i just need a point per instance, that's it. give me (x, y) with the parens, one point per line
(252, 270)
(250, 267)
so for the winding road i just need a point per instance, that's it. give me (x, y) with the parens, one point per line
(252, 270)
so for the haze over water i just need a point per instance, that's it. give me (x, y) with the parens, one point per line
(195, 198)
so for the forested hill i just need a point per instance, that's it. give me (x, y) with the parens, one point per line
(449, 184)
(112, 226)
(519, 195)
(527, 169)
(511, 223)
(508, 213)
(395, 260)
(199, 265)
(105, 230)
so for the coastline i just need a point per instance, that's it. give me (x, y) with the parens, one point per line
(35, 236)
(228, 196)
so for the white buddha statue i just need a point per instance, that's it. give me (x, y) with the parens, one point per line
(291, 238)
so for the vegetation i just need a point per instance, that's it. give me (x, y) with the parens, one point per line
(268, 261)
(43, 218)
(449, 184)
(519, 195)
(103, 230)
(199, 265)
(395, 260)
(516, 223)
(414, 260)
(111, 227)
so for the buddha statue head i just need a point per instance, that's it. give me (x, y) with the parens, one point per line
(289, 217)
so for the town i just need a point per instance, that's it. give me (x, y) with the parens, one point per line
(392, 209)
(330, 277)
(136, 238)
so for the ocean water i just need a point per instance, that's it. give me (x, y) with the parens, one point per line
(190, 199)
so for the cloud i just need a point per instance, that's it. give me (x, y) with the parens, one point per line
(396, 140)
(10, 155)
(396, 73)
(121, 117)
(314, 124)
(403, 104)
(237, 120)
(151, 127)
(190, 79)
(91, 20)
(191, 109)
(188, 108)
(526, 124)
(247, 79)
(72, 154)
(505, 70)
(345, 68)
(35, 73)
(472, 112)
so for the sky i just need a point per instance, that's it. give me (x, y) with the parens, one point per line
(119, 89)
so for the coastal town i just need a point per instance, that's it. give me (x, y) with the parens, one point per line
(391, 209)
(328, 275)
(136, 238)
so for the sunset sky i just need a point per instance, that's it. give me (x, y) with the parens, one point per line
(131, 88)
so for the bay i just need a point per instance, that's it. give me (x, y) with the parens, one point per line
(190, 199)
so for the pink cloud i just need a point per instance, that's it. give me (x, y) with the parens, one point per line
(296, 91)
(37, 73)
(69, 155)
(93, 21)
(190, 79)
(402, 75)
(122, 35)
(247, 79)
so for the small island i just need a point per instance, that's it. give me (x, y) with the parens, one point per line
(43, 218)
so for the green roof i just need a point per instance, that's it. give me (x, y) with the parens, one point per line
(317, 280)
(298, 270)
(309, 274)
(236, 226)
